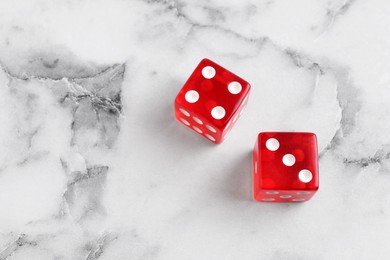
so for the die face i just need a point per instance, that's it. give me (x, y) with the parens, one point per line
(284, 196)
(198, 124)
(215, 96)
(285, 167)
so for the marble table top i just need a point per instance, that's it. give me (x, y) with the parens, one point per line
(94, 166)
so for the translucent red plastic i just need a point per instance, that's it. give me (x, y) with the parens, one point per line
(211, 101)
(285, 170)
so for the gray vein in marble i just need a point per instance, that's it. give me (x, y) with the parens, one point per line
(170, 5)
(15, 245)
(30, 137)
(214, 14)
(98, 102)
(302, 61)
(379, 157)
(177, 8)
(252, 40)
(101, 93)
(333, 14)
(45, 64)
(350, 104)
(83, 193)
(95, 102)
(96, 249)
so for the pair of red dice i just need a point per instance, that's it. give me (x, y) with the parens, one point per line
(285, 164)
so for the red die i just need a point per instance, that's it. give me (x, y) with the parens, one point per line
(211, 101)
(285, 167)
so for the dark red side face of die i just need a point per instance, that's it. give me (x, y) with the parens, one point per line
(211, 100)
(285, 167)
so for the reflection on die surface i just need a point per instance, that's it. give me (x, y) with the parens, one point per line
(211, 101)
(285, 167)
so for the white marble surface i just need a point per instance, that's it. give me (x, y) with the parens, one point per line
(93, 165)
